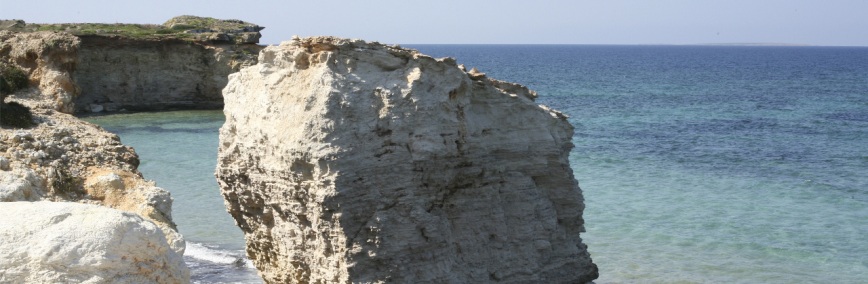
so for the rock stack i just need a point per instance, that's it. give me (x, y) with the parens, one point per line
(347, 161)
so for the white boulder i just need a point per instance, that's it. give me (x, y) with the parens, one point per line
(64, 242)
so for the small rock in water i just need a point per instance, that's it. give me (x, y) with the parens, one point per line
(239, 262)
(96, 108)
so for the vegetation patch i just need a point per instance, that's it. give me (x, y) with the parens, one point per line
(12, 79)
(68, 185)
(13, 114)
(182, 27)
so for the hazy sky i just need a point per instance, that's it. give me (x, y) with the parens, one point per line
(819, 22)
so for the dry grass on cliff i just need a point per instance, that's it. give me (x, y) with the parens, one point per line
(182, 27)
(128, 30)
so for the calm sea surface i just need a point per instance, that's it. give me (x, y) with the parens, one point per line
(699, 164)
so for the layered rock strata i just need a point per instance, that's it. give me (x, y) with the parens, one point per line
(64, 159)
(346, 161)
(116, 70)
(117, 73)
(62, 242)
(215, 30)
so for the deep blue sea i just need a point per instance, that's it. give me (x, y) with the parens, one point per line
(699, 164)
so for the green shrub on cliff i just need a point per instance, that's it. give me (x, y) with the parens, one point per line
(12, 79)
(130, 30)
(191, 28)
(13, 114)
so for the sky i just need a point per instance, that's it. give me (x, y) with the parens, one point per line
(818, 22)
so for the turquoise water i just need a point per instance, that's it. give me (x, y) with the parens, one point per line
(710, 164)
(699, 164)
(178, 150)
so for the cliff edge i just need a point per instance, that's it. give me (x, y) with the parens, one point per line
(91, 67)
(347, 161)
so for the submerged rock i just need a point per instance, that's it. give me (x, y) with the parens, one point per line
(347, 161)
(63, 242)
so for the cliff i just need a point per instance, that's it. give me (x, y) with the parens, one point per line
(345, 161)
(117, 73)
(57, 157)
(65, 159)
(88, 67)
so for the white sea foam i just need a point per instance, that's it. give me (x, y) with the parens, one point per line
(216, 255)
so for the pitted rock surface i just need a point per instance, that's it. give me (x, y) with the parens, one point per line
(347, 161)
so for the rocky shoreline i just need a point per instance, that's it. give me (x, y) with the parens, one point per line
(341, 160)
(63, 159)
(139, 70)
(59, 158)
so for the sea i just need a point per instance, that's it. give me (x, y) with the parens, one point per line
(698, 164)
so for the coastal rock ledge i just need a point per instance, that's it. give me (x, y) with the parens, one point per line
(345, 161)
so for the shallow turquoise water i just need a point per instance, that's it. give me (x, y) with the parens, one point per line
(698, 164)
(178, 150)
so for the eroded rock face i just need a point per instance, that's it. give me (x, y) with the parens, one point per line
(96, 73)
(48, 58)
(63, 242)
(346, 161)
(63, 159)
(117, 73)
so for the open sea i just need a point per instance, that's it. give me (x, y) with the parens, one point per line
(699, 164)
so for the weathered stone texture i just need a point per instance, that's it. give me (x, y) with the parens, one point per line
(117, 73)
(64, 242)
(63, 158)
(48, 59)
(346, 161)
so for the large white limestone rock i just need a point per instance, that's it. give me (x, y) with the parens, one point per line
(345, 161)
(65, 242)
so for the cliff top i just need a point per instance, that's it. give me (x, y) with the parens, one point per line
(185, 27)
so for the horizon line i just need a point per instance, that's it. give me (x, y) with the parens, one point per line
(733, 44)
